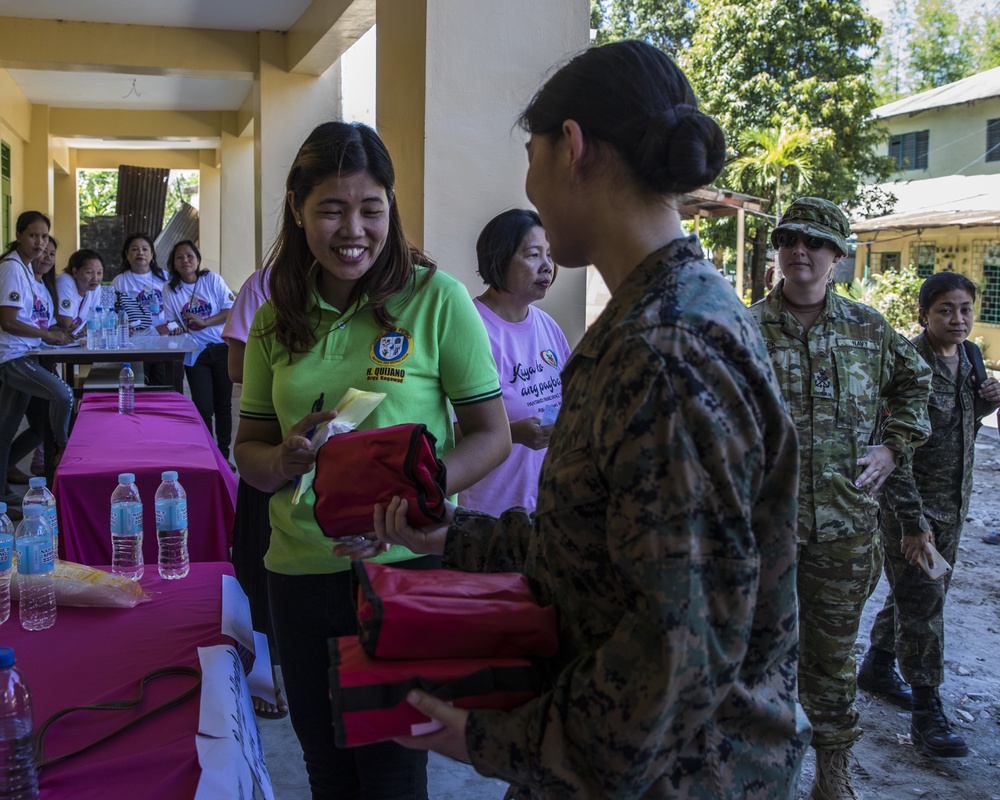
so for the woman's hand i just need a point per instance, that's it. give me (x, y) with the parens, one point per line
(913, 546)
(391, 527)
(531, 433)
(295, 456)
(449, 740)
(990, 390)
(51, 336)
(879, 463)
(193, 321)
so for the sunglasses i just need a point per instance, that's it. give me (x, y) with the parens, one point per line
(789, 240)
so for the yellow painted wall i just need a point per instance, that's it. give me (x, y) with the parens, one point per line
(237, 250)
(956, 249)
(956, 139)
(112, 159)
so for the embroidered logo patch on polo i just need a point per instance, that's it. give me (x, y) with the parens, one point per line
(64, 303)
(14, 297)
(392, 348)
(549, 357)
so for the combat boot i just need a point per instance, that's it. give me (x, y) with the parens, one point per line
(878, 675)
(929, 728)
(833, 776)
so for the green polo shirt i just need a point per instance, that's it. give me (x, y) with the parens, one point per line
(437, 354)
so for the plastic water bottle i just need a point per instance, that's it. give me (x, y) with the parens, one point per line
(126, 390)
(172, 527)
(35, 570)
(549, 414)
(123, 329)
(155, 311)
(110, 325)
(6, 561)
(94, 330)
(18, 773)
(126, 529)
(38, 494)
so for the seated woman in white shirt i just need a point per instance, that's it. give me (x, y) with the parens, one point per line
(139, 290)
(199, 300)
(78, 288)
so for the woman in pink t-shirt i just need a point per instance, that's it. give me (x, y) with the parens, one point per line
(529, 349)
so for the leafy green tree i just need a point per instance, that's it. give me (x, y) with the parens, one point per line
(666, 24)
(895, 294)
(97, 192)
(940, 47)
(179, 192)
(774, 164)
(802, 64)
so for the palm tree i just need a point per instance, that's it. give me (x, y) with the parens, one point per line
(774, 163)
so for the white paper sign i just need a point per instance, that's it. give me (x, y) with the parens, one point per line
(236, 620)
(230, 749)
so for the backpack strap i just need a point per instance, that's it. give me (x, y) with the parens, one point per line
(118, 705)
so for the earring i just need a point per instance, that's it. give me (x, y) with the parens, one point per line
(298, 222)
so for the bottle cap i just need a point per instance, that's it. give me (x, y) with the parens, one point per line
(3, 507)
(169, 475)
(32, 510)
(36, 483)
(127, 364)
(6, 657)
(126, 477)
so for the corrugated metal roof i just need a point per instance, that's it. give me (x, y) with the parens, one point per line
(981, 86)
(924, 219)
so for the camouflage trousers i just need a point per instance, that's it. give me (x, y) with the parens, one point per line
(835, 579)
(911, 623)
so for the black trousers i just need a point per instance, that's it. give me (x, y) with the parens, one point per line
(212, 392)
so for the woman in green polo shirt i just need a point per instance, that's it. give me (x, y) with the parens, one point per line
(352, 305)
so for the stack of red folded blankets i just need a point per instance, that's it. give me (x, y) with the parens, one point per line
(475, 640)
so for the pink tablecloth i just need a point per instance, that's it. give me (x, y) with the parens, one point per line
(165, 432)
(94, 655)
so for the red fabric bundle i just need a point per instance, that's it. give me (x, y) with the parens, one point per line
(449, 614)
(356, 470)
(368, 696)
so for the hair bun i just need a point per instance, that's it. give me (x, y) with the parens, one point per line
(681, 149)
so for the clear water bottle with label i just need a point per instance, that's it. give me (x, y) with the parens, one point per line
(126, 529)
(110, 325)
(95, 333)
(6, 561)
(126, 390)
(123, 329)
(155, 311)
(172, 527)
(18, 773)
(38, 494)
(36, 591)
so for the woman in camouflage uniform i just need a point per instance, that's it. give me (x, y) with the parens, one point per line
(925, 502)
(664, 530)
(839, 363)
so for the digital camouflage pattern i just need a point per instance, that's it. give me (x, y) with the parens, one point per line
(664, 534)
(814, 216)
(835, 379)
(931, 493)
(838, 380)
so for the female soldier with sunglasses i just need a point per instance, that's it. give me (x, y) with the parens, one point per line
(838, 363)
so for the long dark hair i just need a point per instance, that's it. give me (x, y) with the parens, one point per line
(24, 219)
(156, 269)
(49, 278)
(81, 257)
(633, 98)
(175, 278)
(499, 241)
(342, 149)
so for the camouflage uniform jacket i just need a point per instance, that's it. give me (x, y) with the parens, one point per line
(851, 367)
(664, 534)
(937, 484)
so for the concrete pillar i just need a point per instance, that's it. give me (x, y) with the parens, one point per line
(237, 252)
(38, 175)
(209, 206)
(287, 106)
(66, 211)
(452, 77)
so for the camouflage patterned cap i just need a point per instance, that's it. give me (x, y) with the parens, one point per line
(814, 216)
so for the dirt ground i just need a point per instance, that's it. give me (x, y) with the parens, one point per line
(887, 766)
